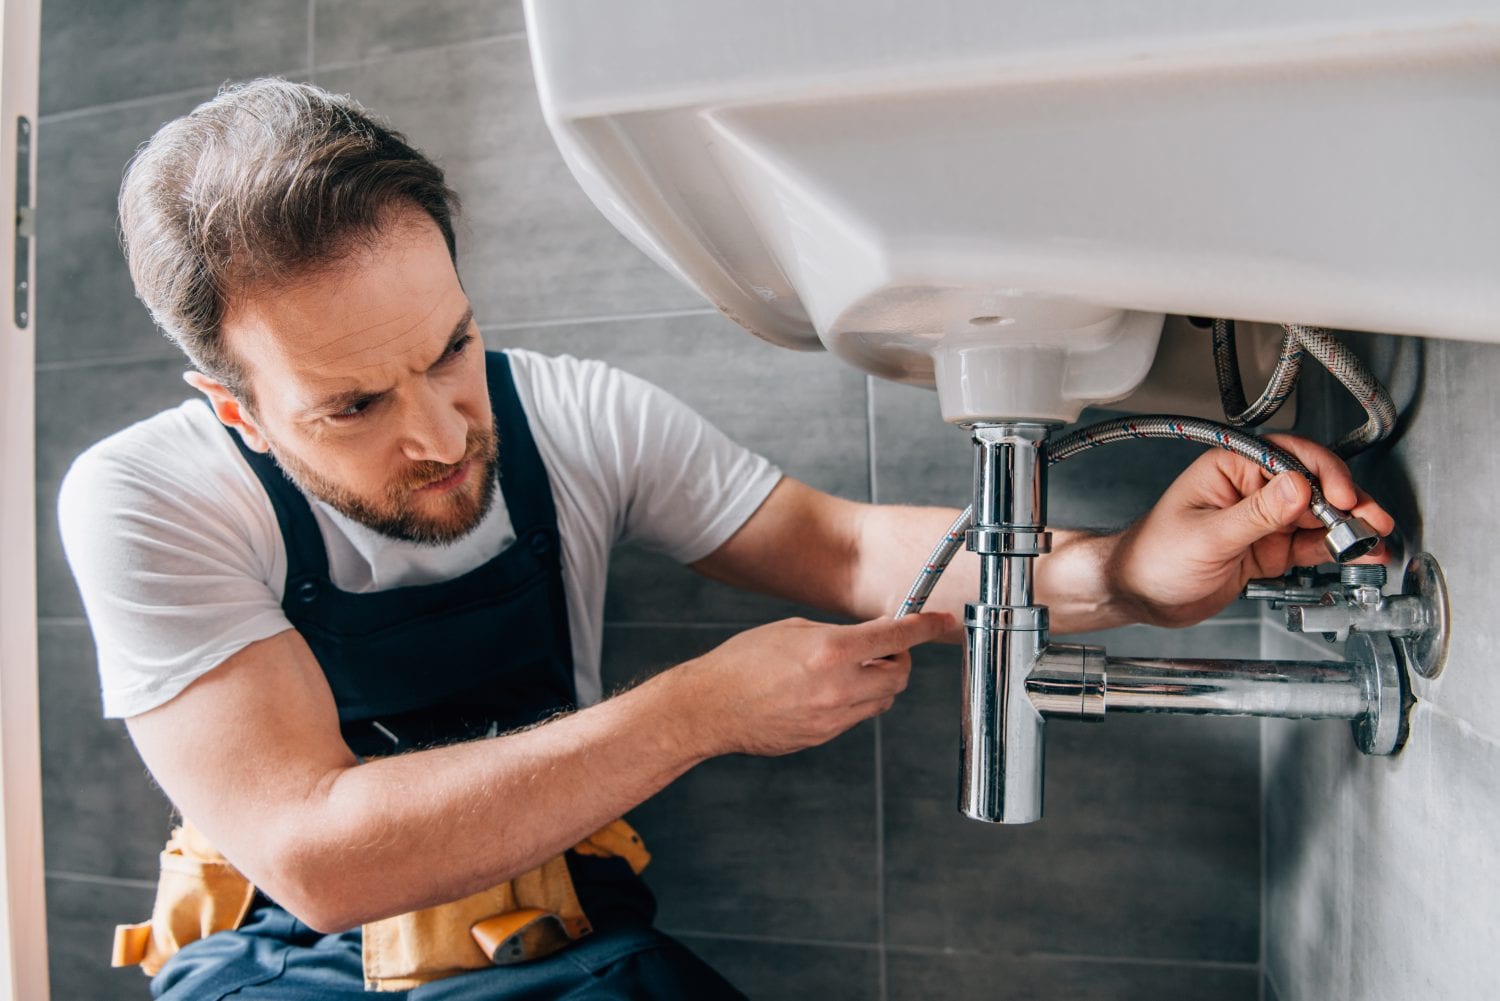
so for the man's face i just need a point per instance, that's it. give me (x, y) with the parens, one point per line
(369, 384)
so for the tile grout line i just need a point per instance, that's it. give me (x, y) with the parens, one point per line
(68, 876)
(772, 939)
(131, 103)
(124, 359)
(208, 90)
(567, 321)
(312, 35)
(1195, 964)
(467, 43)
(933, 950)
(881, 978)
(1275, 991)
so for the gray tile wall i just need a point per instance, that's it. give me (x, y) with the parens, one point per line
(1382, 875)
(840, 873)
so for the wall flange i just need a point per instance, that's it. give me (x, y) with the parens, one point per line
(1426, 651)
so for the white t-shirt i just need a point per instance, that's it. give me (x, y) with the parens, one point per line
(181, 564)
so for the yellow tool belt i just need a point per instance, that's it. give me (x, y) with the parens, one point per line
(533, 915)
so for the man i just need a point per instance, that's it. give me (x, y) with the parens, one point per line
(349, 608)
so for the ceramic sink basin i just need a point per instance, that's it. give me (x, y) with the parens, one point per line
(1005, 199)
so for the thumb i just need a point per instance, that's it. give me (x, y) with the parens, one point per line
(884, 636)
(1272, 508)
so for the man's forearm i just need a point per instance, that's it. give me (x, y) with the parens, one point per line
(368, 845)
(1072, 580)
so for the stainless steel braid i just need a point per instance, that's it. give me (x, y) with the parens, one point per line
(1268, 456)
(1232, 392)
(942, 555)
(1345, 366)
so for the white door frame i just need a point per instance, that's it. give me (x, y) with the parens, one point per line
(23, 920)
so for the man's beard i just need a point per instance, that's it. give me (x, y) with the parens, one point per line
(393, 514)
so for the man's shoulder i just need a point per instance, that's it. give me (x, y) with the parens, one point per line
(537, 372)
(568, 383)
(175, 453)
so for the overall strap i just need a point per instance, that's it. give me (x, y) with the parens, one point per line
(520, 462)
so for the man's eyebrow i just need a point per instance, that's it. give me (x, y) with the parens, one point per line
(349, 397)
(460, 331)
(343, 401)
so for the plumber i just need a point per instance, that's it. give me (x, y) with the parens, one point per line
(350, 609)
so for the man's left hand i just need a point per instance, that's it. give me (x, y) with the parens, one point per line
(1221, 524)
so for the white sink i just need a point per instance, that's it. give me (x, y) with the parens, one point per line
(1005, 198)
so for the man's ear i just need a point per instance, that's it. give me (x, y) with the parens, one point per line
(228, 409)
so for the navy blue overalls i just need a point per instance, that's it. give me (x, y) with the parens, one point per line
(422, 666)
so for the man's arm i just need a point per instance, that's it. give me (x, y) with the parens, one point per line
(1219, 525)
(252, 753)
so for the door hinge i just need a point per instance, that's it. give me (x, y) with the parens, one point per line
(25, 223)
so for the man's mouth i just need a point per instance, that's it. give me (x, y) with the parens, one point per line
(448, 482)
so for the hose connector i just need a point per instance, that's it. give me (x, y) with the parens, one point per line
(1348, 537)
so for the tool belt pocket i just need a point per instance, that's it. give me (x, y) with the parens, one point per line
(526, 918)
(533, 915)
(197, 895)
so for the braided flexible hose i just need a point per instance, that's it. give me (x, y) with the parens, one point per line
(1231, 390)
(1264, 454)
(1268, 456)
(1345, 366)
(942, 555)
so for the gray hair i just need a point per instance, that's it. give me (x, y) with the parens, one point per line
(269, 180)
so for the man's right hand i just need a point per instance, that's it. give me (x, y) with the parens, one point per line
(340, 843)
(794, 684)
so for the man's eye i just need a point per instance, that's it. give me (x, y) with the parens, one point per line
(457, 347)
(352, 411)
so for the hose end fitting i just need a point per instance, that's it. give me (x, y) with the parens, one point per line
(1348, 537)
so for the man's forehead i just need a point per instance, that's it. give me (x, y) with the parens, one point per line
(383, 306)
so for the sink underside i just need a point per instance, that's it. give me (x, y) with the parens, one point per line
(978, 194)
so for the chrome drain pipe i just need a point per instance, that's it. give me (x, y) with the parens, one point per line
(1014, 679)
(1001, 732)
(1071, 681)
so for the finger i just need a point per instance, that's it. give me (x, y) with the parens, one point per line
(1331, 471)
(1374, 515)
(892, 662)
(884, 636)
(1273, 508)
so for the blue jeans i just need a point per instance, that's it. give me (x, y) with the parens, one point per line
(275, 957)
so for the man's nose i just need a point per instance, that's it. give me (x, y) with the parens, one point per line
(434, 430)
